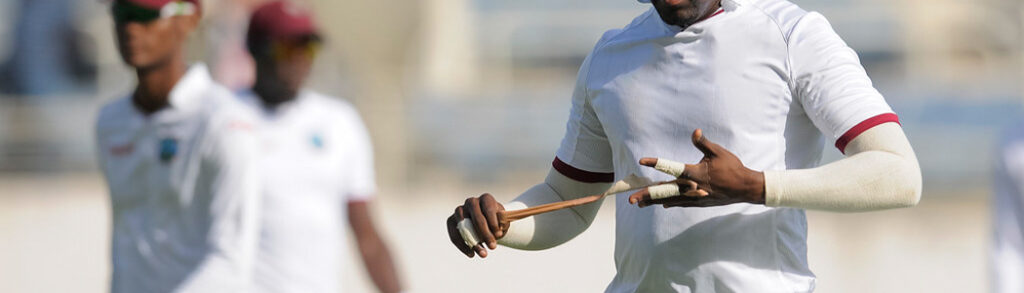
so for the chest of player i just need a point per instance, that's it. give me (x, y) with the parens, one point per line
(722, 78)
(302, 160)
(153, 161)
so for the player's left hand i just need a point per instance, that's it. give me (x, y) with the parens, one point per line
(720, 176)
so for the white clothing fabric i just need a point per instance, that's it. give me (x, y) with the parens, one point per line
(316, 157)
(766, 80)
(1007, 254)
(184, 190)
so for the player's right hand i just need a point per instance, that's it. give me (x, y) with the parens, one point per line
(483, 212)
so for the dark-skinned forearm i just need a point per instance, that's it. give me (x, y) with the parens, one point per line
(372, 249)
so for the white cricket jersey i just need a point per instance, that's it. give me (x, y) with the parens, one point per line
(763, 78)
(1007, 254)
(317, 157)
(183, 188)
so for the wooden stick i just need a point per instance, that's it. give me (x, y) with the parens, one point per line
(549, 207)
(507, 217)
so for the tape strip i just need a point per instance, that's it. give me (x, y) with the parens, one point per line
(663, 191)
(670, 167)
(468, 232)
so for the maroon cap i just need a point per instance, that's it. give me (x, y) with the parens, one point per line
(158, 4)
(277, 20)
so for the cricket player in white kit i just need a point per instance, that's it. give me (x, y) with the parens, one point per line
(318, 165)
(1007, 256)
(766, 80)
(178, 158)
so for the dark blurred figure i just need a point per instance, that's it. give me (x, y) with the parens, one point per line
(1007, 256)
(318, 164)
(48, 55)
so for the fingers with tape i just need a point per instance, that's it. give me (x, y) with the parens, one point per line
(676, 169)
(663, 191)
(668, 192)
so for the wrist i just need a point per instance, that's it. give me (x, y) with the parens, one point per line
(756, 188)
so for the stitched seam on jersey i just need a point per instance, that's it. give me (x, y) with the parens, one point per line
(601, 44)
(586, 96)
(604, 42)
(785, 37)
(789, 58)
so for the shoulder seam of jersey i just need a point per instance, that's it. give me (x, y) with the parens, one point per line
(785, 37)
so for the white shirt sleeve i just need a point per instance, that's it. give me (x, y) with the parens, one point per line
(1007, 254)
(360, 171)
(229, 168)
(584, 147)
(829, 82)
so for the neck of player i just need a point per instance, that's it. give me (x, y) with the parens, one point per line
(156, 82)
(684, 22)
(271, 92)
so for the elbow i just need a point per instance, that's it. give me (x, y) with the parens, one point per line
(909, 190)
(909, 196)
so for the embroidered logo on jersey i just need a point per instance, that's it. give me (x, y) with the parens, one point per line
(317, 140)
(122, 150)
(168, 148)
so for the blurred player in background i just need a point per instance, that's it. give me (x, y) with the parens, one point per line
(318, 164)
(766, 80)
(1008, 213)
(178, 158)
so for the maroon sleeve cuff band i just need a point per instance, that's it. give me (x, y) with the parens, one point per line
(862, 127)
(581, 175)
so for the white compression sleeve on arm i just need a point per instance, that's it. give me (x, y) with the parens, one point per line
(554, 228)
(880, 171)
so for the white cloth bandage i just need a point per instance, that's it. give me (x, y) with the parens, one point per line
(554, 228)
(631, 182)
(468, 233)
(663, 190)
(879, 172)
(670, 167)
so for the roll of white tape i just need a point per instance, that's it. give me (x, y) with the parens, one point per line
(468, 232)
(663, 191)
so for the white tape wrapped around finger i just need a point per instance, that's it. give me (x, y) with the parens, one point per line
(468, 232)
(631, 182)
(670, 167)
(663, 191)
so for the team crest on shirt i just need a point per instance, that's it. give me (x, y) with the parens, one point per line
(168, 149)
(317, 141)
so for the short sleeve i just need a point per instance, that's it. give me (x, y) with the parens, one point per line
(830, 83)
(584, 154)
(359, 174)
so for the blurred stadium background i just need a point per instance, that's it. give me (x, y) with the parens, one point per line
(471, 96)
